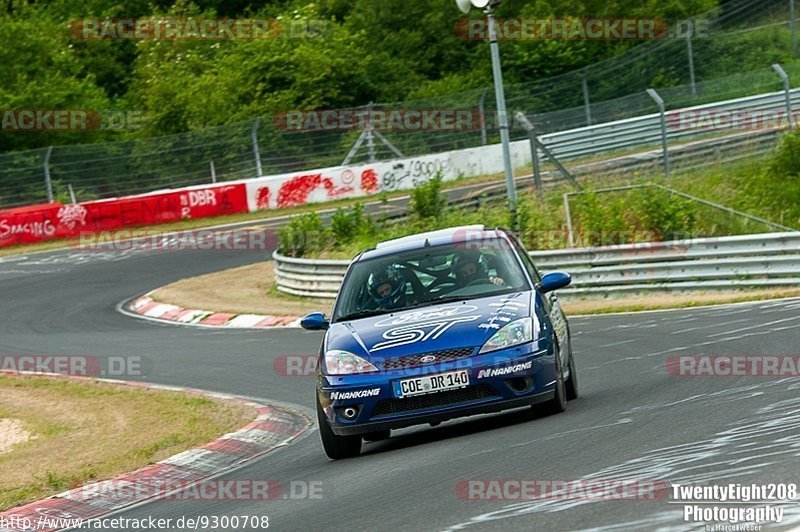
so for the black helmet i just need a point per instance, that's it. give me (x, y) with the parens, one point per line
(386, 276)
(460, 266)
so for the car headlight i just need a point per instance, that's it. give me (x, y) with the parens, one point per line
(515, 333)
(344, 363)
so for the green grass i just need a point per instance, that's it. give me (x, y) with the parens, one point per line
(83, 431)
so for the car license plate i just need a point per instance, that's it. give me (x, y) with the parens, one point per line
(431, 383)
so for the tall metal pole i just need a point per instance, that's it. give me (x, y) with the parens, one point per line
(482, 111)
(793, 26)
(586, 103)
(256, 152)
(502, 116)
(689, 51)
(660, 102)
(48, 183)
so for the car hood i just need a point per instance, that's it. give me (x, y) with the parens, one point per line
(451, 325)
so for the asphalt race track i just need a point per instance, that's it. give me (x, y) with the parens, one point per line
(634, 420)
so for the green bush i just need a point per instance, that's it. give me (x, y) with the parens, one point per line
(600, 220)
(427, 200)
(304, 234)
(670, 217)
(347, 225)
(645, 214)
(786, 158)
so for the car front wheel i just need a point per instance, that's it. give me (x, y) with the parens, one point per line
(572, 381)
(558, 403)
(336, 447)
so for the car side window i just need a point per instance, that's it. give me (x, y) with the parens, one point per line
(527, 262)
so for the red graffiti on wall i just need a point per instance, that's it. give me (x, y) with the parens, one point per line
(262, 198)
(369, 180)
(297, 190)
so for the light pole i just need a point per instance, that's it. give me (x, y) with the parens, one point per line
(502, 114)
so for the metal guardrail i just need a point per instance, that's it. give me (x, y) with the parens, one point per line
(645, 130)
(684, 157)
(744, 261)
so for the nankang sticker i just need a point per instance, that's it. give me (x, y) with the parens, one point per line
(357, 394)
(425, 315)
(499, 372)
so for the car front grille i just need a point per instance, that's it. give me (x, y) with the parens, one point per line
(416, 360)
(434, 400)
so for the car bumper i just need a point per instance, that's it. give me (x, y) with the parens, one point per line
(502, 380)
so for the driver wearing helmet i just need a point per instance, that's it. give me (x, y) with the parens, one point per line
(469, 267)
(387, 289)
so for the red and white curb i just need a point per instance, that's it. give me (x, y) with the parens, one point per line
(147, 308)
(274, 426)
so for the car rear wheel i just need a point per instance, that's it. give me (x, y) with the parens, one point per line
(558, 403)
(572, 381)
(378, 435)
(336, 447)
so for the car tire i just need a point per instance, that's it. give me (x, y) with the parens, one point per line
(378, 435)
(572, 381)
(558, 403)
(336, 447)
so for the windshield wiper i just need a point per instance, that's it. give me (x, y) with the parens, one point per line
(446, 299)
(364, 314)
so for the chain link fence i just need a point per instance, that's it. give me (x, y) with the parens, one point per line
(686, 70)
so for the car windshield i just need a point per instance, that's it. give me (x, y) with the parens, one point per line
(428, 276)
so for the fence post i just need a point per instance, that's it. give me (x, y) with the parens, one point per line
(256, 152)
(48, 183)
(537, 174)
(660, 102)
(786, 89)
(568, 217)
(482, 111)
(213, 173)
(521, 118)
(793, 26)
(370, 136)
(689, 51)
(586, 104)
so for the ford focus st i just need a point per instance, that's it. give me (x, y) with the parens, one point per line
(437, 326)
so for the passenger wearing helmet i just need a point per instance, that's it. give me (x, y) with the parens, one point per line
(387, 288)
(469, 267)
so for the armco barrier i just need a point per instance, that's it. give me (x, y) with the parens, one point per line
(45, 222)
(646, 130)
(744, 261)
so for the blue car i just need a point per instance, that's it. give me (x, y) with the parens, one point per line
(436, 326)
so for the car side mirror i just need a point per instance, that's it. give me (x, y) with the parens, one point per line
(316, 321)
(553, 281)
